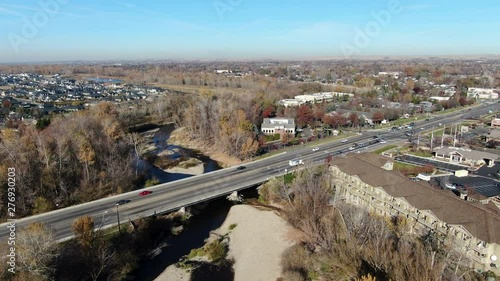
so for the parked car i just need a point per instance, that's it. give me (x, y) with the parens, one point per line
(145, 192)
(450, 185)
(123, 201)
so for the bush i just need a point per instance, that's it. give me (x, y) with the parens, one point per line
(42, 205)
(196, 253)
(152, 181)
(216, 251)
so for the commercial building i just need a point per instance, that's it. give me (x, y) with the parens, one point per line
(368, 180)
(482, 93)
(312, 98)
(469, 157)
(271, 126)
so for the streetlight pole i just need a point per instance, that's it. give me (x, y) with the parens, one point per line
(102, 219)
(118, 217)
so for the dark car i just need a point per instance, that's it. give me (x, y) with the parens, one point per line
(145, 192)
(121, 202)
(240, 168)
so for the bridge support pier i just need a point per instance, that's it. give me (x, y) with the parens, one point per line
(184, 211)
(235, 197)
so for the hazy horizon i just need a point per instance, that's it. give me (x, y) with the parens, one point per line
(66, 30)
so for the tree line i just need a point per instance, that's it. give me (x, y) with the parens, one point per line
(76, 158)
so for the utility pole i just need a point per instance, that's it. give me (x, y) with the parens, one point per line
(432, 137)
(455, 136)
(118, 217)
(442, 136)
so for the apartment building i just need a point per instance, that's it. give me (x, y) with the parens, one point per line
(369, 180)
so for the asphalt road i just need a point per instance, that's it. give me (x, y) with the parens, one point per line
(198, 189)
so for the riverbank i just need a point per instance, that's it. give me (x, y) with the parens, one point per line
(180, 137)
(192, 167)
(257, 240)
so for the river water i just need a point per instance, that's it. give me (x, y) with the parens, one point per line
(210, 218)
(160, 140)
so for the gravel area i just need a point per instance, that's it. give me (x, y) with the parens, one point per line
(256, 243)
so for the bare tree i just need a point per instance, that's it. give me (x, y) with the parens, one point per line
(37, 250)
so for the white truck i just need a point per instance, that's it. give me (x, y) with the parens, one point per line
(295, 162)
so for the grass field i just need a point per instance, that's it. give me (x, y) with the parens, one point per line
(384, 149)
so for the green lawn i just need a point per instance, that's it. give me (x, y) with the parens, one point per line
(383, 149)
(420, 153)
(438, 132)
(400, 166)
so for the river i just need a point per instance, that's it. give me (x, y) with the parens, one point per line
(160, 141)
(210, 218)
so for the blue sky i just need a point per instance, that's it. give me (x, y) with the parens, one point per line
(59, 30)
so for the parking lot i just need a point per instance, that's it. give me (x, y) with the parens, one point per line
(426, 161)
(490, 172)
(483, 186)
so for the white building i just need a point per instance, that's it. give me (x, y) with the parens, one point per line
(312, 98)
(482, 93)
(290, 102)
(394, 74)
(271, 126)
(439, 98)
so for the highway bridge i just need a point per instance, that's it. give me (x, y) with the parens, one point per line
(196, 190)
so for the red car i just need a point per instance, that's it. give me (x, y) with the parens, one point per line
(146, 192)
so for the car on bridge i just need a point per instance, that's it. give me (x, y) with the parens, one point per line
(123, 201)
(145, 193)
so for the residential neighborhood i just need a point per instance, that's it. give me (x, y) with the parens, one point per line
(30, 96)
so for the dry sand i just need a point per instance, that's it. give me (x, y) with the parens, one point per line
(256, 244)
(194, 171)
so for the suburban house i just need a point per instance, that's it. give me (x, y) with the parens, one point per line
(495, 122)
(482, 93)
(472, 158)
(493, 135)
(368, 180)
(367, 116)
(426, 106)
(271, 126)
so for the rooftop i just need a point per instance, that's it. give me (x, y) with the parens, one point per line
(482, 221)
